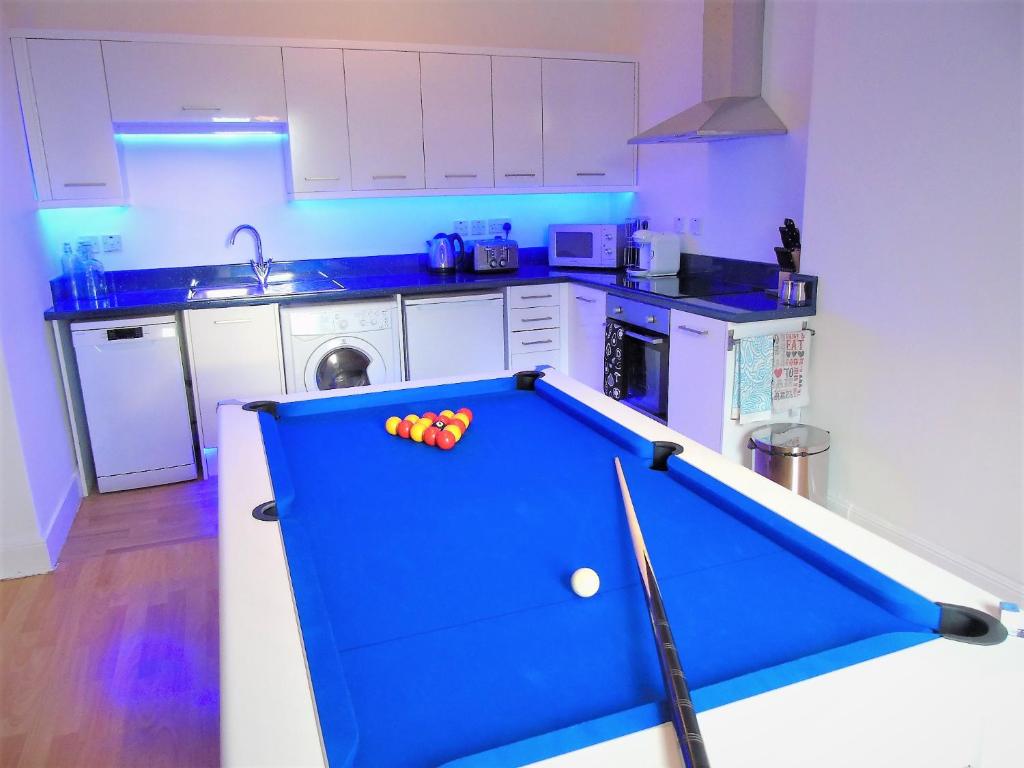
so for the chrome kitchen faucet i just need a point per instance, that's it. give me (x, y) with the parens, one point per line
(260, 266)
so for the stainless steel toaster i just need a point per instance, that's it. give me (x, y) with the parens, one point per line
(497, 255)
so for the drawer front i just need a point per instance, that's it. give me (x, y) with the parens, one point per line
(533, 318)
(533, 341)
(528, 361)
(533, 296)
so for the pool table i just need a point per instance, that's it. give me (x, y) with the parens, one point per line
(386, 603)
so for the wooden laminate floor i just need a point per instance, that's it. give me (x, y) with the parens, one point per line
(112, 659)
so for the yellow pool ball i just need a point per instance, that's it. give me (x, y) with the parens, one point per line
(412, 417)
(463, 418)
(391, 425)
(456, 430)
(424, 421)
(416, 433)
(446, 412)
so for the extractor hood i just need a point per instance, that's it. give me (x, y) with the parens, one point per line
(732, 106)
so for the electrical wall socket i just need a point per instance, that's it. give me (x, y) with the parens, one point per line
(93, 241)
(496, 227)
(697, 226)
(679, 225)
(461, 227)
(478, 227)
(111, 243)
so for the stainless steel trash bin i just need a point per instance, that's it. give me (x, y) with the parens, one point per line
(793, 455)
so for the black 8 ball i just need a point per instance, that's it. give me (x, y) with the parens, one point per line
(440, 425)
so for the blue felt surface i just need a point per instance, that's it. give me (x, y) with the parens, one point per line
(433, 593)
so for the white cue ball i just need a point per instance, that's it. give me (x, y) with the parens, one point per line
(585, 582)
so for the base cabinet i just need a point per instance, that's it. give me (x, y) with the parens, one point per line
(586, 310)
(700, 381)
(534, 326)
(235, 354)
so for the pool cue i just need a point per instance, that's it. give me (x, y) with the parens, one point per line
(684, 719)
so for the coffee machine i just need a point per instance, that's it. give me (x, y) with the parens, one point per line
(658, 253)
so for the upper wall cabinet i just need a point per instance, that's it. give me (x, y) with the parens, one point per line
(189, 83)
(518, 126)
(589, 115)
(67, 120)
(457, 140)
(385, 121)
(314, 81)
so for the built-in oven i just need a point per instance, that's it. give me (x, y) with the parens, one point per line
(636, 355)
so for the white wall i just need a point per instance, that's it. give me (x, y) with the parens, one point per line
(913, 222)
(742, 190)
(39, 492)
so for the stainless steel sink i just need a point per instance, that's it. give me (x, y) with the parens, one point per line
(281, 284)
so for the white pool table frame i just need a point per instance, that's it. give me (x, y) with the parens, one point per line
(924, 706)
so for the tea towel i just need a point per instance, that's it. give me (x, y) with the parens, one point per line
(789, 374)
(614, 360)
(752, 380)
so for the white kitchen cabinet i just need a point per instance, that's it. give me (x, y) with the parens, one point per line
(235, 354)
(700, 380)
(314, 81)
(459, 335)
(535, 327)
(586, 313)
(67, 120)
(385, 120)
(696, 377)
(191, 82)
(518, 123)
(458, 143)
(589, 115)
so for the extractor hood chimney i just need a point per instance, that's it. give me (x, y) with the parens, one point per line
(732, 106)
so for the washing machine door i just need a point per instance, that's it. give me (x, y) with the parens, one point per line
(344, 362)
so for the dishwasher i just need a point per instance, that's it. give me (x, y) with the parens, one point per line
(133, 392)
(454, 335)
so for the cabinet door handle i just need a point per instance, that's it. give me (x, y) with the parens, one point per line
(531, 343)
(389, 176)
(85, 183)
(200, 109)
(591, 173)
(519, 175)
(695, 331)
(233, 321)
(460, 175)
(538, 296)
(584, 298)
(323, 178)
(534, 319)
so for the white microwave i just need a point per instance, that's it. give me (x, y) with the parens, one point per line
(586, 245)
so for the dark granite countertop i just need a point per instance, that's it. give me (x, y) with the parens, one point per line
(724, 289)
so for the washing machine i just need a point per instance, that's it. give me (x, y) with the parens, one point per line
(334, 346)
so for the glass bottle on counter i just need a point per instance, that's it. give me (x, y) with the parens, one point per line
(74, 273)
(94, 278)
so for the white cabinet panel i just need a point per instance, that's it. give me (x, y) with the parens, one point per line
(454, 335)
(189, 82)
(385, 121)
(235, 353)
(457, 139)
(533, 296)
(696, 377)
(70, 104)
(589, 115)
(317, 119)
(518, 142)
(586, 335)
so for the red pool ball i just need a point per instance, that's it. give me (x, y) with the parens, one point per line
(445, 441)
(430, 415)
(404, 427)
(430, 435)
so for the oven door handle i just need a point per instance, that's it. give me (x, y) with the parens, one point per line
(645, 338)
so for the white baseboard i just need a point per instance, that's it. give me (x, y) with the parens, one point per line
(24, 558)
(38, 554)
(60, 524)
(1003, 587)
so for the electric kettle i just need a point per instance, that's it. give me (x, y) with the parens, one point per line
(441, 253)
